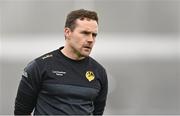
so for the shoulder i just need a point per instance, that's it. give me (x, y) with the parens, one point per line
(41, 61)
(97, 66)
(100, 71)
(96, 63)
(45, 57)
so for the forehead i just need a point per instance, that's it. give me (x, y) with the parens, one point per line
(89, 25)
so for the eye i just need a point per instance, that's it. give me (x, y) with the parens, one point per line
(89, 33)
(85, 32)
(94, 34)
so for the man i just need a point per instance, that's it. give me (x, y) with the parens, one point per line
(66, 81)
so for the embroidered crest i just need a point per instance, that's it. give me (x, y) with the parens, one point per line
(90, 75)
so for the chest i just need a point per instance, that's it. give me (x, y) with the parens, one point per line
(64, 80)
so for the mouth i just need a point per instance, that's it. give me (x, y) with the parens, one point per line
(87, 47)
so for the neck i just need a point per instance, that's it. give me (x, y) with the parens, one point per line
(71, 53)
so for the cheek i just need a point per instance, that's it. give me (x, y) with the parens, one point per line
(76, 42)
(79, 39)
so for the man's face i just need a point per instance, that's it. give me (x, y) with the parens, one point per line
(82, 38)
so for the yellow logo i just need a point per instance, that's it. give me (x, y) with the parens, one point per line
(90, 75)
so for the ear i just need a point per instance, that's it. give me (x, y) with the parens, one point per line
(67, 32)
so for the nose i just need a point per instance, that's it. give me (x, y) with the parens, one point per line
(90, 38)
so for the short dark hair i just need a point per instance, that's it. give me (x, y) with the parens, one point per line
(79, 14)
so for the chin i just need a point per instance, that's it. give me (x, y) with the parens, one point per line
(85, 54)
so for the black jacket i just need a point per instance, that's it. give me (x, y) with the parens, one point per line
(54, 84)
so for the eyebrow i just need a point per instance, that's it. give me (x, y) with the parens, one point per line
(88, 32)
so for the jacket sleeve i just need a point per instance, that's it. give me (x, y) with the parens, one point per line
(28, 90)
(100, 102)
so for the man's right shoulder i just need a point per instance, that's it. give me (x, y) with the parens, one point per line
(45, 57)
(42, 60)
